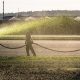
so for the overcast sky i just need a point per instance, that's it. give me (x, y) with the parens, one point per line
(37, 5)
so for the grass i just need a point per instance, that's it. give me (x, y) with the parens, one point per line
(41, 37)
(40, 68)
(56, 25)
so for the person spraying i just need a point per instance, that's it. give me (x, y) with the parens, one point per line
(29, 43)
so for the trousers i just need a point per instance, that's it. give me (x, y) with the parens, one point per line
(29, 47)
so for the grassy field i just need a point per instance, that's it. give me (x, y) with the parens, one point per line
(41, 37)
(54, 25)
(40, 68)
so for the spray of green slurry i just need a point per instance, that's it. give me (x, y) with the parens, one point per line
(16, 28)
(54, 25)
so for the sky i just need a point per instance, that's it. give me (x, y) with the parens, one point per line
(38, 5)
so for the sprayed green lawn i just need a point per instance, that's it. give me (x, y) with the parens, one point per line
(41, 37)
(55, 25)
(40, 68)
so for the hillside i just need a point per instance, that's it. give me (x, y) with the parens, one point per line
(45, 13)
(56, 25)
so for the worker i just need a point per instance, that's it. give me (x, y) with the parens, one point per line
(29, 43)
